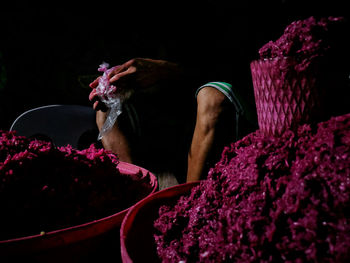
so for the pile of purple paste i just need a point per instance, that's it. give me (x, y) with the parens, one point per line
(303, 40)
(269, 199)
(44, 188)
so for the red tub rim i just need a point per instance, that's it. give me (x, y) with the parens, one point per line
(134, 209)
(70, 234)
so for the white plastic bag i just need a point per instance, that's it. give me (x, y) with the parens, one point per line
(107, 94)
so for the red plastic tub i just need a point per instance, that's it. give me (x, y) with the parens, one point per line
(96, 240)
(136, 233)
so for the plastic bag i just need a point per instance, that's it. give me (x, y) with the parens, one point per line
(107, 94)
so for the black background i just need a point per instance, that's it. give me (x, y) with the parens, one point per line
(50, 52)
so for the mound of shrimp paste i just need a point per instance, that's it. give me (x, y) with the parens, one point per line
(269, 199)
(45, 188)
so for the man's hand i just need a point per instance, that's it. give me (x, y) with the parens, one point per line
(136, 74)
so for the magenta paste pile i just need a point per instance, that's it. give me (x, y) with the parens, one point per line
(294, 74)
(44, 188)
(270, 198)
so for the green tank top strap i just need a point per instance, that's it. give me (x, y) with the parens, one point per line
(231, 94)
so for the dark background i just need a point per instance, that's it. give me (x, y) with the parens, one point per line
(49, 53)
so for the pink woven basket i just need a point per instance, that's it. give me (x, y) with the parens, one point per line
(284, 99)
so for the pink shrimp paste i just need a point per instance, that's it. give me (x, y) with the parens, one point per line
(44, 188)
(267, 200)
(316, 46)
(276, 199)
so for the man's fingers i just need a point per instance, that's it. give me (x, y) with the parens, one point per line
(92, 95)
(122, 75)
(94, 84)
(130, 63)
(121, 68)
(95, 105)
(115, 70)
(98, 105)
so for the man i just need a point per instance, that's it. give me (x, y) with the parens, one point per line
(219, 113)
